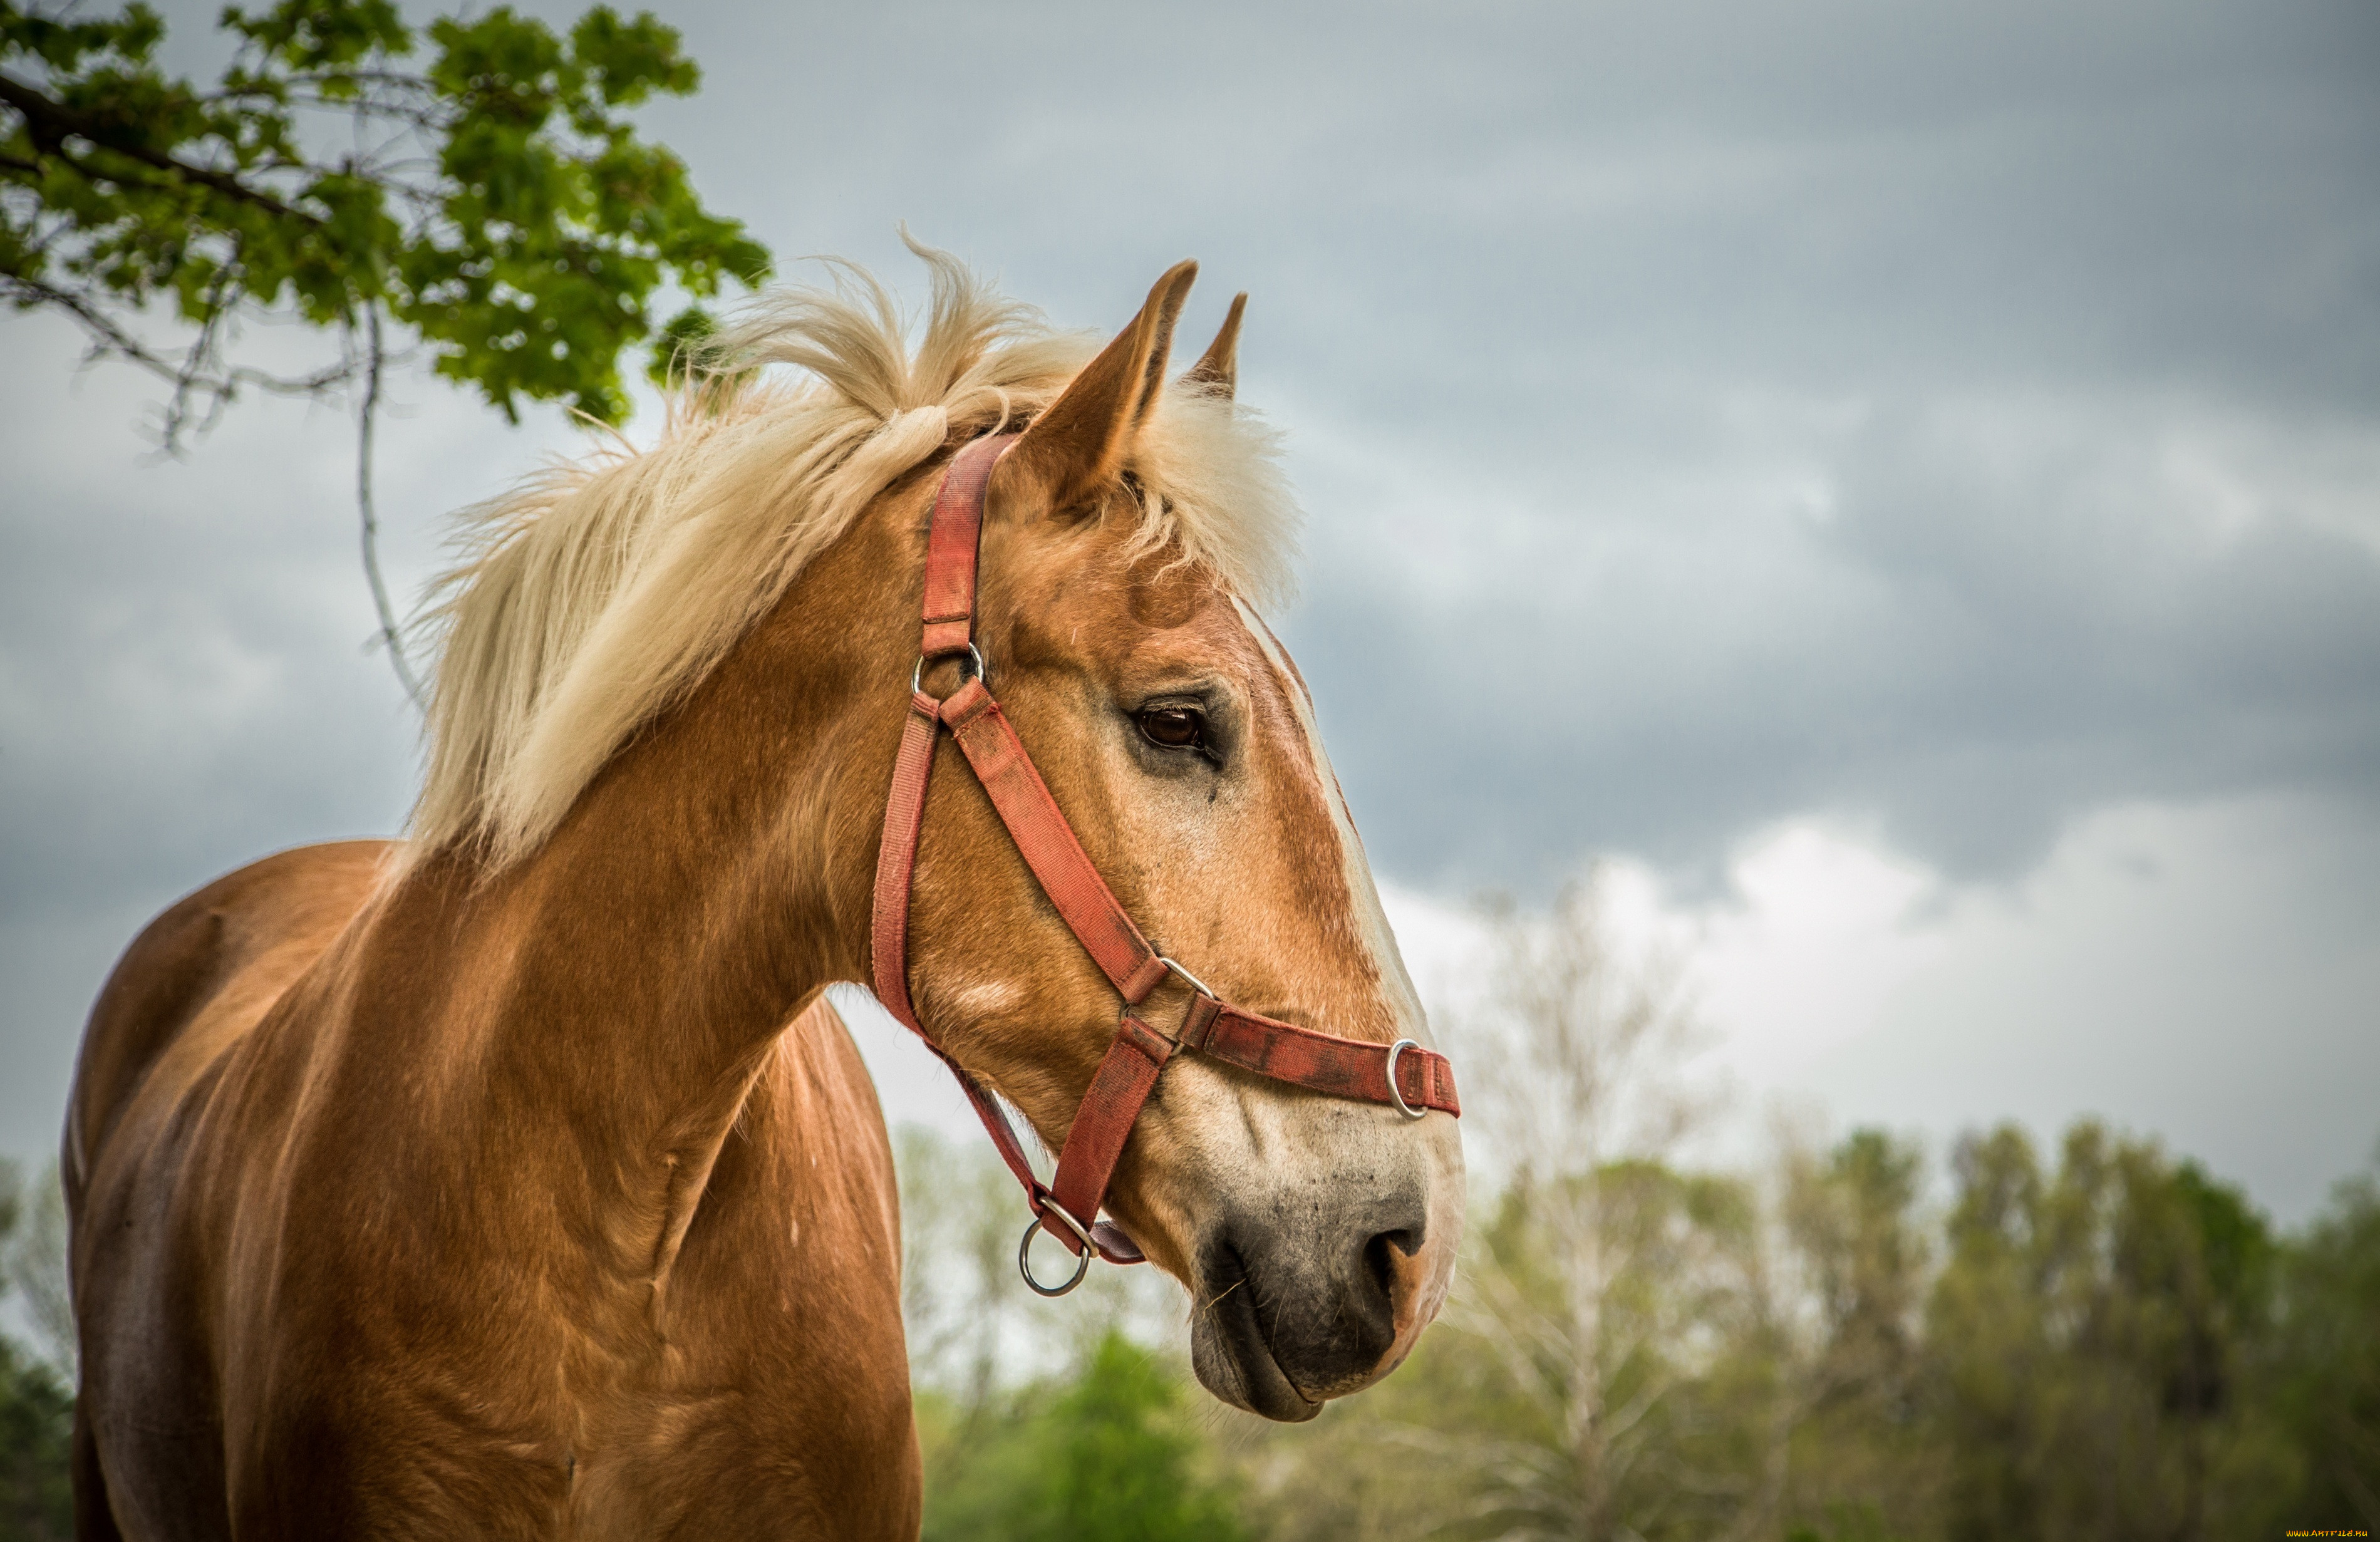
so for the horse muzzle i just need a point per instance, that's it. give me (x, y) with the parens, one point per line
(1301, 1301)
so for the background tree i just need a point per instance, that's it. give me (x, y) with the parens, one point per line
(1601, 1262)
(484, 201)
(1110, 1450)
(1610, 1361)
(991, 1362)
(2090, 1332)
(36, 1399)
(2322, 1373)
(1859, 1450)
(33, 1263)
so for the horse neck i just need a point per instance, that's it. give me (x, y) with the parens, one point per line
(619, 989)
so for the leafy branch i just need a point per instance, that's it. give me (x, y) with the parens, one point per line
(482, 197)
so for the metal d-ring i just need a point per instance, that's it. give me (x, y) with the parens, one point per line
(1024, 1250)
(1399, 1048)
(1195, 983)
(917, 675)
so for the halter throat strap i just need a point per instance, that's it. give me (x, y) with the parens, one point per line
(1405, 1075)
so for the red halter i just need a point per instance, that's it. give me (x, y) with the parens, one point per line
(1407, 1077)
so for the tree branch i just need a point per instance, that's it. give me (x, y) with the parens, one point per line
(50, 122)
(110, 340)
(390, 636)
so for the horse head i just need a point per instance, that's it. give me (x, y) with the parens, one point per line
(1315, 1233)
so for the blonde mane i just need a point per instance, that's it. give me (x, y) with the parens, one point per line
(597, 593)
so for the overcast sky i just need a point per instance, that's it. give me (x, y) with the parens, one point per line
(1905, 484)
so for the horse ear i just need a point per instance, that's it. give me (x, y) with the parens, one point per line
(1078, 445)
(1217, 369)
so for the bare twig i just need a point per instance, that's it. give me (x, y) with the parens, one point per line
(190, 379)
(367, 413)
(109, 340)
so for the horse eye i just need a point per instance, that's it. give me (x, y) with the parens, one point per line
(1174, 727)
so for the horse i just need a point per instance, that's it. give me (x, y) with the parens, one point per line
(518, 1179)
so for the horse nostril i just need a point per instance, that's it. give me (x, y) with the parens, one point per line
(1379, 1261)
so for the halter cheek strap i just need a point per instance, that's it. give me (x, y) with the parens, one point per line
(1405, 1075)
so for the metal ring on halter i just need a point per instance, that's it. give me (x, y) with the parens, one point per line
(1396, 1096)
(1195, 983)
(917, 675)
(1024, 1250)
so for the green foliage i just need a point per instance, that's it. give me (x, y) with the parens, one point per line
(2112, 1344)
(1861, 1455)
(2091, 1335)
(2323, 1370)
(1606, 1369)
(1853, 1219)
(36, 1408)
(1109, 1456)
(33, 1261)
(488, 196)
(1599, 1295)
(1852, 1522)
(36, 1426)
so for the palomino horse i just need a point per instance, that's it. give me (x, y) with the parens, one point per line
(516, 1180)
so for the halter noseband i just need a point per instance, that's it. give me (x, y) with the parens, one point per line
(1408, 1077)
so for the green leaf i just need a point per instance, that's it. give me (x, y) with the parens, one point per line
(492, 198)
(678, 344)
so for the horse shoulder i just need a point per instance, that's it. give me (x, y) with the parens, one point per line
(186, 994)
(289, 906)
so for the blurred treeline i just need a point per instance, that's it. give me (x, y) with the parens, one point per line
(2093, 1340)
(2096, 1341)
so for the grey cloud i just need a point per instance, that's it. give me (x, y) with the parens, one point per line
(1979, 636)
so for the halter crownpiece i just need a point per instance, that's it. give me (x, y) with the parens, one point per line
(1404, 1075)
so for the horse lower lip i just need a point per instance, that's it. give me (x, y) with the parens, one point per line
(1230, 1324)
